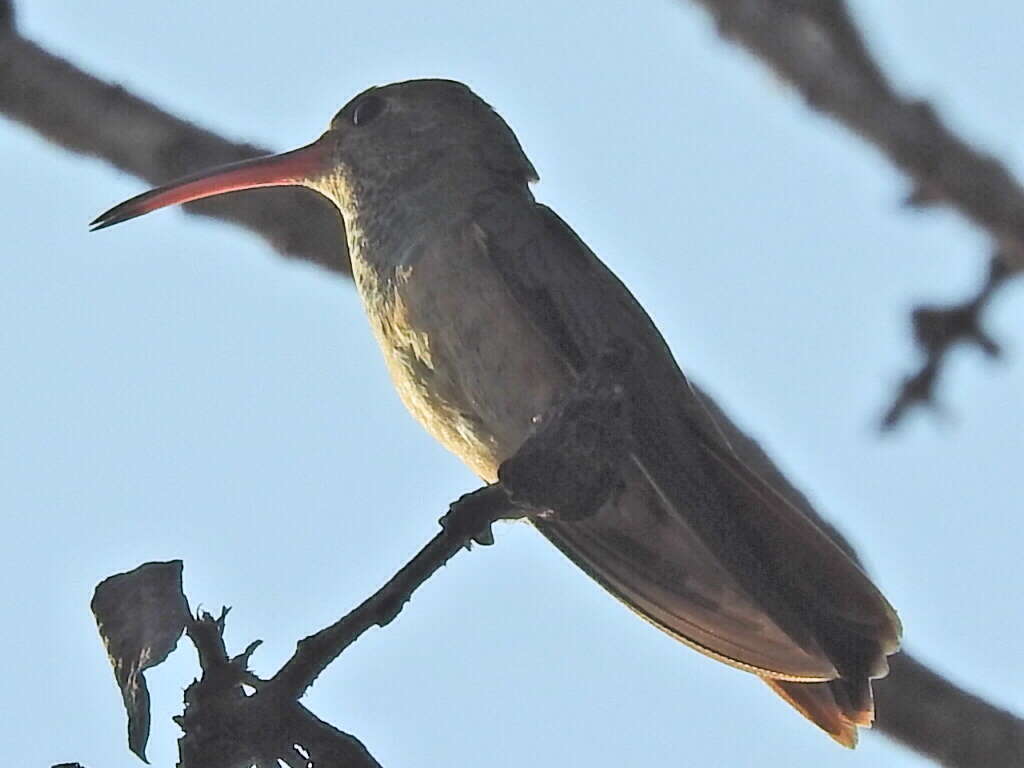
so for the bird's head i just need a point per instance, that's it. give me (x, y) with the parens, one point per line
(424, 137)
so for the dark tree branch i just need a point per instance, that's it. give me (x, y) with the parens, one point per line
(929, 714)
(225, 728)
(83, 114)
(574, 453)
(815, 46)
(6, 17)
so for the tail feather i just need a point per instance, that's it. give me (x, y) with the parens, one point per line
(827, 706)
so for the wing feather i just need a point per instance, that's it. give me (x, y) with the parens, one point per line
(730, 560)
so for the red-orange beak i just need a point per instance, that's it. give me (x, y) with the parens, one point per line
(287, 169)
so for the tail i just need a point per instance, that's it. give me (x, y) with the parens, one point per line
(828, 708)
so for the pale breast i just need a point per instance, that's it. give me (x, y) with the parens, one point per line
(461, 352)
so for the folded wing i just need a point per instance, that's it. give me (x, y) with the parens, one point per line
(697, 541)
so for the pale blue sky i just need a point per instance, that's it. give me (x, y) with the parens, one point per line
(174, 389)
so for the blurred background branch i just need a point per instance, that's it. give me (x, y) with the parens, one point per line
(815, 46)
(83, 114)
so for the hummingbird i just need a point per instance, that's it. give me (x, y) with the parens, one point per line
(488, 308)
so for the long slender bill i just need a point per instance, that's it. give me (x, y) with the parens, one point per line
(287, 169)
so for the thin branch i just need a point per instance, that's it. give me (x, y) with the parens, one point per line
(937, 330)
(569, 461)
(468, 519)
(815, 46)
(237, 729)
(223, 727)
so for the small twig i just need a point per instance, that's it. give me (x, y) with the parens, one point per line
(937, 330)
(224, 727)
(468, 519)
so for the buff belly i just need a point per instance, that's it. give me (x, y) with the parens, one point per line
(465, 360)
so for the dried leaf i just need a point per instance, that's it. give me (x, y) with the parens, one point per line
(140, 616)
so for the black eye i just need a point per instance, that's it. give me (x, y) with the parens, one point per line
(367, 110)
